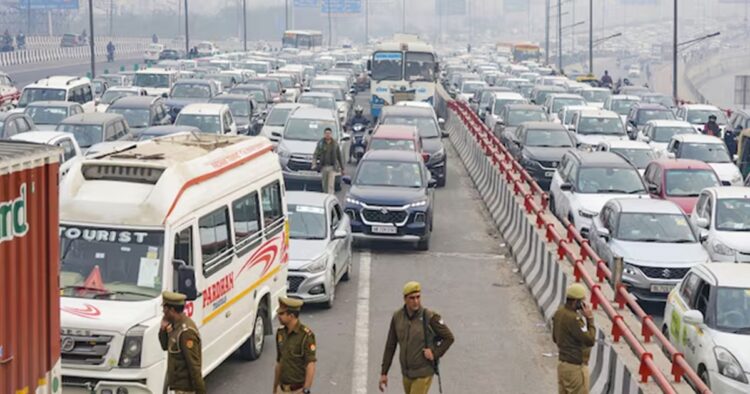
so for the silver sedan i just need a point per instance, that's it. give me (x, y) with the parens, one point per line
(320, 247)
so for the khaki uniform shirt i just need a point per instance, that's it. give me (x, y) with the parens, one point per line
(183, 345)
(294, 350)
(573, 343)
(328, 154)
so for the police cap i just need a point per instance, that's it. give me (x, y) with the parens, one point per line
(576, 291)
(290, 304)
(412, 287)
(172, 298)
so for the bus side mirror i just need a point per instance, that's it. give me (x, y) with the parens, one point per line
(369, 65)
(185, 275)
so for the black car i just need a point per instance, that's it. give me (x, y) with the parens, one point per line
(513, 115)
(428, 125)
(641, 113)
(244, 110)
(539, 147)
(141, 111)
(189, 91)
(14, 123)
(170, 54)
(391, 198)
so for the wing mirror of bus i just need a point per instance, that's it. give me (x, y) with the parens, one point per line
(164, 95)
(369, 65)
(185, 276)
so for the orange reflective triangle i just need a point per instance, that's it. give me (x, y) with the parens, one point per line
(94, 280)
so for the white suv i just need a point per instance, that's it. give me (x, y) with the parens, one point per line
(708, 149)
(497, 103)
(60, 88)
(722, 214)
(209, 118)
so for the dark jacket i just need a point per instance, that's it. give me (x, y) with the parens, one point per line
(328, 154)
(184, 358)
(574, 344)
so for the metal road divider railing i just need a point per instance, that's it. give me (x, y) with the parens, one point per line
(124, 46)
(535, 203)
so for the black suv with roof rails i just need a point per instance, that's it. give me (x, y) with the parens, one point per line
(641, 113)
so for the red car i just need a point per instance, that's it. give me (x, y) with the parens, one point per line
(396, 137)
(679, 181)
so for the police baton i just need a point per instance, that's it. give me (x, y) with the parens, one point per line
(436, 365)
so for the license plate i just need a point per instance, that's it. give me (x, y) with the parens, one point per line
(308, 172)
(384, 230)
(549, 174)
(661, 288)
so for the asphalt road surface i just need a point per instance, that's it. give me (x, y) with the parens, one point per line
(502, 343)
(25, 74)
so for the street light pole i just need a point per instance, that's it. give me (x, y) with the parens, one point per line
(591, 37)
(559, 35)
(187, 30)
(28, 17)
(546, 33)
(286, 15)
(674, 54)
(91, 39)
(367, 21)
(330, 29)
(403, 16)
(244, 25)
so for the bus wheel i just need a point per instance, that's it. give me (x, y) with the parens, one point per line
(253, 347)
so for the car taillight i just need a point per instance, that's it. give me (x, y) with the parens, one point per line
(425, 157)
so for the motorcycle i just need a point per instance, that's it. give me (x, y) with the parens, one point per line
(358, 141)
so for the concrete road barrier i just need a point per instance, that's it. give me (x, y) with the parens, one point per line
(52, 52)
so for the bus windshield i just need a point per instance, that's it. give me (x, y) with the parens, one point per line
(387, 66)
(420, 66)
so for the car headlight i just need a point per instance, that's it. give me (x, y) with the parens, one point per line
(317, 265)
(586, 147)
(587, 214)
(419, 203)
(527, 161)
(437, 156)
(728, 365)
(629, 269)
(283, 152)
(722, 249)
(132, 346)
(737, 179)
(353, 201)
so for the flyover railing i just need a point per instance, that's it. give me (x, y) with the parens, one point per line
(571, 246)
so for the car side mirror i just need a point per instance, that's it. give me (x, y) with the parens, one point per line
(702, 223)
(346, 179)
(646, 139)
(164, 95)
(604, 234)
(693, 317)
(653, 188)
(353, 91)
(339, 234)
(703, 235)
(346, 137)
(566, 187)
(185, 275)
(444, 134)
(432, 183)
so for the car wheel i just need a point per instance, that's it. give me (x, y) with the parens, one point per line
(253, 346)
(441, 181)
(348, 273)
(424, 244)
(552, 205)
(665, 331)
(337, 185)
(331, 290)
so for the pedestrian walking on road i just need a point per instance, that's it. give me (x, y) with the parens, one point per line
(574, 333)
(422, 338)
(179, 336)
(296, 349)
(327, 158)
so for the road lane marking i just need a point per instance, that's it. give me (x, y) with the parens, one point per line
(362, 326)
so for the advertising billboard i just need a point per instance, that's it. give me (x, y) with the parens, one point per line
(48, 4)
(341, 6)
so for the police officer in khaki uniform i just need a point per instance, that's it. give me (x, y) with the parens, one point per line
(574, 333)
(417, 354)
(180, 338)
(296, 349)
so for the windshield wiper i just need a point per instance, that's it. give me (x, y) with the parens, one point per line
(649, 240)
(86, 288)
(122, 292)
(612, 191)
(306, 237)
(741, 330)
(682, 241)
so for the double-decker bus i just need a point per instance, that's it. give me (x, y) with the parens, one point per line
(404, 69)
(527, 51)
(302, 39)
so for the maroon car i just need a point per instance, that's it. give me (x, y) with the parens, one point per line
(679, 181)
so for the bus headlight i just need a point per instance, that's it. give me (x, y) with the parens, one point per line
(132, 347)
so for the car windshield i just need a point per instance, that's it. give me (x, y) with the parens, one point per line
(306, 222)
(113, 264)
(389, 173)
(665, 134)
(419, 66)
(600, 125)
(666, 101)
(151, 80)
(622, 107)
(236, 107)
(639, 157)
(654, 227)
(320, 102)
(206, 123)
(338, 94)
(261, 68)
(98, 87)
(386, 66)
(46, 115)
(391, 144)
(558, 103)
(500, 104)
(516, 117)
(426, 126)
(30, 95)
(472, 87)
(190, 90)
(86, 135)
(689, 183)
(278, 116)
(258, 95)
(110, 96)
(548, 138)
(595, 96)
(733, 214)
(645, 115)
(733, 310)
(699, 116)
(709, 153)
(136, 117)
(272, 85)
(609, 180)
(307, 130)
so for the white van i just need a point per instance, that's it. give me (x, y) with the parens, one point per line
(204, 215)
(152, 52)
(156, 81)
(60, 88)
